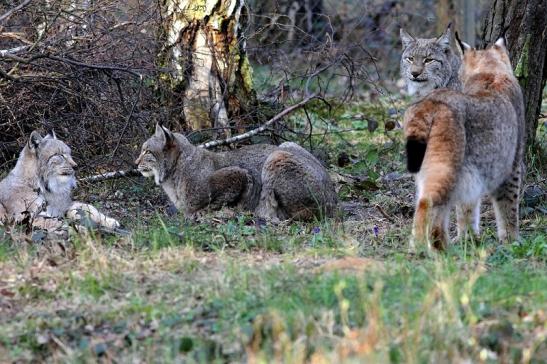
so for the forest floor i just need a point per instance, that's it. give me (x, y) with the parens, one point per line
(230, 289)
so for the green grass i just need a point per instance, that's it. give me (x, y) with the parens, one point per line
(229, 290)
(178, 302)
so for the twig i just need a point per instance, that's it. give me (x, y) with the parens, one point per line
(8, 13)
(379, 208)
(110, 175)
(258, 130)
(4, 52)
(215, 143)
(103, 67)
(128, 118)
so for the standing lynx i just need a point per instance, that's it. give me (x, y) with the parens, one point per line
(465, 145)
(429, 64)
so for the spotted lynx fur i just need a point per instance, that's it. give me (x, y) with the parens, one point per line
(465, 145)
(276, 182)
(429, 64)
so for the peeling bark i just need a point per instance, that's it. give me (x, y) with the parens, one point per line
(205, 50)
(525, 26)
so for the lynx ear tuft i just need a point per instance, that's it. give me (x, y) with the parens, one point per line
(445, 38)
(168, 136)
(52, 134)
(406, 38)
(464, 47)
(34, 140)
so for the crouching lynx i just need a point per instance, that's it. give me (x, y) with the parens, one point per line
(40, 187)
(464, 145)
(277, 183)
(429, 64)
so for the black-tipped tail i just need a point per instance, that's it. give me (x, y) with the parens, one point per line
(415, 152)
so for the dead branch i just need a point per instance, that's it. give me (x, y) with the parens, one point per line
(215, 143)
(8, 13)
(258, 130)
(110, 175)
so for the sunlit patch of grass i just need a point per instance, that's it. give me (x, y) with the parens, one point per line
(175, 303)
(231, 289)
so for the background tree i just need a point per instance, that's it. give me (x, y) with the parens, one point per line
(461, 13)
(204, 49)
(280, 23)
(525, 27)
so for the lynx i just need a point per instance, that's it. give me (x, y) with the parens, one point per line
(40, 187)
(429, 64)
(465, 145)
(277, 183)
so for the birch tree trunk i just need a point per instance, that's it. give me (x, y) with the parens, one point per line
(205, 49)
(525, 23)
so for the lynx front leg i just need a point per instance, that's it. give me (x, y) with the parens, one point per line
(506, 206)
(97, 217)
(468, 220)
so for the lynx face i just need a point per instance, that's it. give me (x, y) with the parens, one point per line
(151, 161)
(426, 64)
(55, 163)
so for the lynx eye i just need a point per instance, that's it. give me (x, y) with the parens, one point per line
(410, 59)
(428, 60)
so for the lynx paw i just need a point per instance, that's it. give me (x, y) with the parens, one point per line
(110, 223)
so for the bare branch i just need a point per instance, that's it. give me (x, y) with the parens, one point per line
(215, 143)
(110, 175)
(17, 8)
(254, 132)
(14, 50)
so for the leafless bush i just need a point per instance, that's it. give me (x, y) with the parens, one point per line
(82, 68)
(88, 68)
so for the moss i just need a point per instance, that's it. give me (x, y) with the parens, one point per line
(247, 73)
(521, 70)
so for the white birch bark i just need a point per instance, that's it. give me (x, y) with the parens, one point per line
(205, 49)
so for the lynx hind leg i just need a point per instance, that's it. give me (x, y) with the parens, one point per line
(280, 175)
(506, 207)
(230, 186)
(468, 220)
(268, 206)
(294, 185)
(3, 215)
(430, 226)
(92, 213)
(321, 194)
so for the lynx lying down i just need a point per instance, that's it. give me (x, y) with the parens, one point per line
(41, 185)
(276, 182)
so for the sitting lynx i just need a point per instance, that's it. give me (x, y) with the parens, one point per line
(277, 183)
(429, 64)
(464, 145)
(41, 185)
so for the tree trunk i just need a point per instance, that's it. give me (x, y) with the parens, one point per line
(461, 13)
(204, 49)
(525, 25)
(446, 13)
